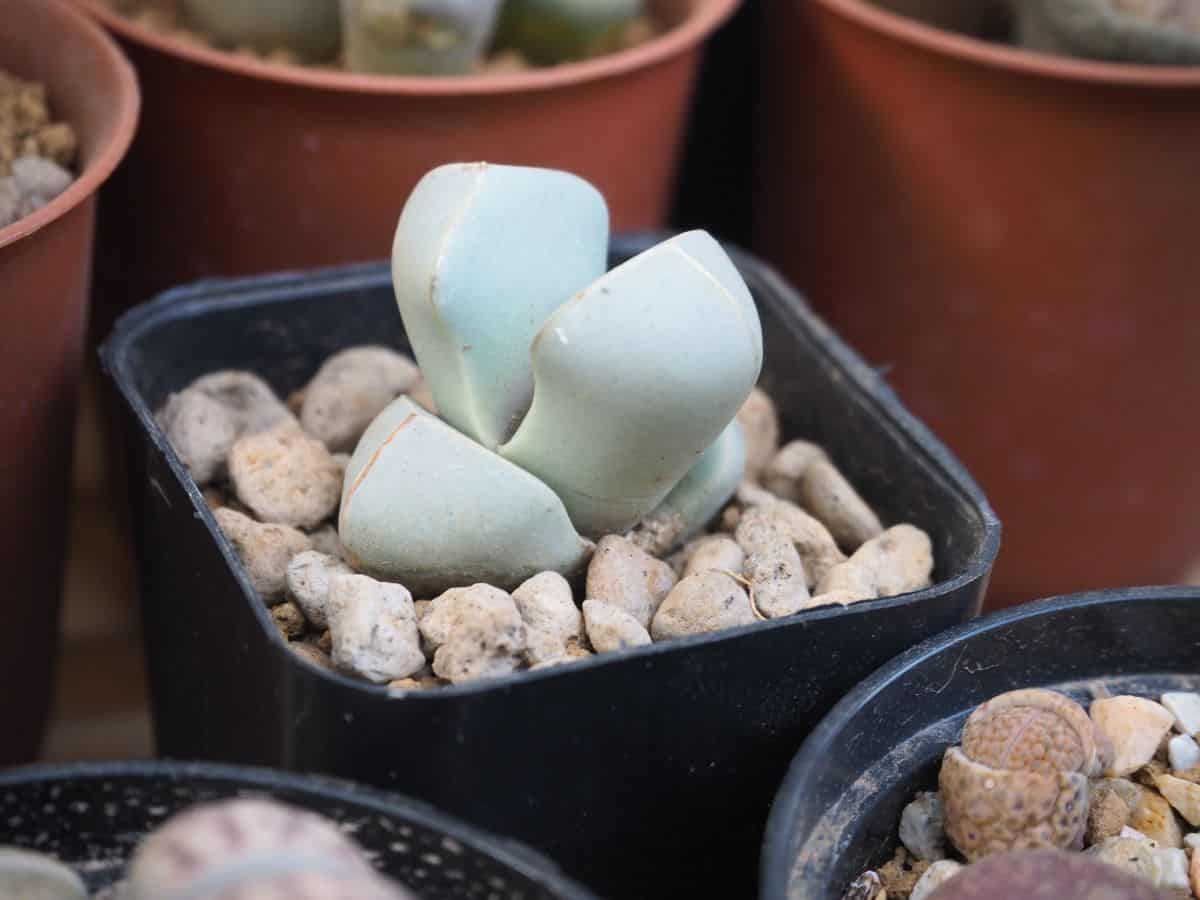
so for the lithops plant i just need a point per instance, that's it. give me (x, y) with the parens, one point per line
(552, 31)
(416, 37)
(253, 849)
(1137, 31)
(573, 403)
(1044, 873)
(1020, 778)
(311, 28)
(35, 876)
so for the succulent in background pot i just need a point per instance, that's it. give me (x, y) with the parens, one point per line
(1115, 30)
(416, 37)
(550, 31)
(311, 27)
(311, 164)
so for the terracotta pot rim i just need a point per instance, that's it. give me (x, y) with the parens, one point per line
(105, 161)
(706, 16)
(1024, 62)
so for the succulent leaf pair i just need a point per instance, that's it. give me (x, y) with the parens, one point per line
(573, 402)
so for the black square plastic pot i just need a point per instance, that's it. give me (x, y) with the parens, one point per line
(91, 816)
(647, 773)
(838, 812)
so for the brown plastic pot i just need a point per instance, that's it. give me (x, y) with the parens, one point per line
(244, 166)
(1013, 237)
(45, 262)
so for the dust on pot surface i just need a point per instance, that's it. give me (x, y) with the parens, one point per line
(290, 167)
(671, 750)
(1015, 205)
(45, 262)
(838, 812)
(94, 816)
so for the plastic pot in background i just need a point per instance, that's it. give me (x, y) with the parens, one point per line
(243, 166)
(1007, 234)
(838, 812)
(45, 264)
(92, 816)
(644, 774)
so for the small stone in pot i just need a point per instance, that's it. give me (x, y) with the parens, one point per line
(624, 576)
(551, 617)
(350, 390)
(265, 550)
(709, 601)
(610, 628)
(476, 632)
(374, 628)
(286, 477)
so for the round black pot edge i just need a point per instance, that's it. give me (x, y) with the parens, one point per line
(821, 742)
(512, 854)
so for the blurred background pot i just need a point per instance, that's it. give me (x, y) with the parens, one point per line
(244, 166)
(45, 264)
(1003, 232)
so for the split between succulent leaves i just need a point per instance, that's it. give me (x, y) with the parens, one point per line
(574, 403)
(418, 37)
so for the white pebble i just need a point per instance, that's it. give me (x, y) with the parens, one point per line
(922, 827)
(1171, 865)
(1184, 752)
(773, 566)
(1185, 707)
(550, 615)
(1135, 726)
(714, 553)
(374, 628)
(308, 576)
(476, 633)
(624, 576)
(710, 601)
(935, 876)
(611, 629)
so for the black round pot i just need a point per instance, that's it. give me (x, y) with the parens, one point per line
(839, 808)
(92, 816)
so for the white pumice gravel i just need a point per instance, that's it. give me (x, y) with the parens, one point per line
(622, 575)
(476, 632)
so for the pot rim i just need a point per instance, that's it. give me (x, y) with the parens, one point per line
(97, 170)
(814, 752)
(508, 852)
(1012, 59)
(705, 17)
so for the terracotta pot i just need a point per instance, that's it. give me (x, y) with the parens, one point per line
(244, 166)
(45, 263)
(1012, 237)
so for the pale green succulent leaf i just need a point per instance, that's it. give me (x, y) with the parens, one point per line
(708, 485)
(552, 31)
(428, 507)
(417, 37)
(483, 255)
(312, 28)
(635, 378)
